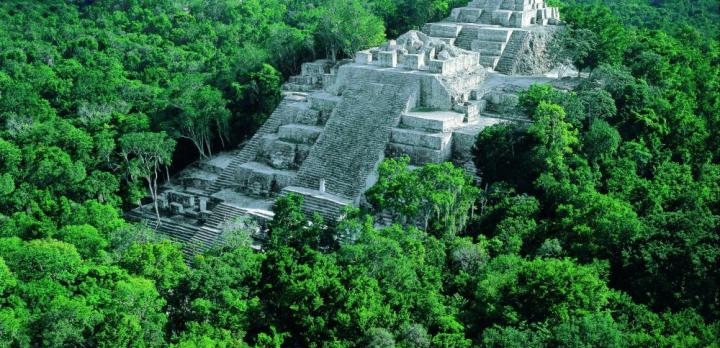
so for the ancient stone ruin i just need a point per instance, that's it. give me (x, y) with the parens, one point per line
(425, 95)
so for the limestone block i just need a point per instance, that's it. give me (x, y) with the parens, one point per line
(501, 35)
(455, 14)
(163, 203)
(463, 144)
(388, 58)
(363, 57)
(436, 141)
(177, 208)
(469, 15)
(328, 80)
(401, 57)
(444, 30)
(502, 17)
(502, 103)
(520, 19)
(203, 204)
(314, 68)
(439, 121)
(297, 133)
(258, 183)
(282, 155)
(418, 155)
(414, 61)
(186, 200)
(307, 116)
(323, 102)
(301, 153)
(471, 111)
(436, 66)
(302, 79)
(282, 179)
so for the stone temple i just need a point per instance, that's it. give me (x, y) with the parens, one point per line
(426, 95)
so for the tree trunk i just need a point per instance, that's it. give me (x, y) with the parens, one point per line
(153, 195)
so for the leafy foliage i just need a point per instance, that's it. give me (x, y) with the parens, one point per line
(597, 225)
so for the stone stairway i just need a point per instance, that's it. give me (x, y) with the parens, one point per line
(249, 151)
(204, 238)
(510, 53)
(274, 153)
(425, 137)
(490, 44)
(222, 214)
(329, 206)
(354, 139)
(489, 41)
(177, 231)
(467, 35)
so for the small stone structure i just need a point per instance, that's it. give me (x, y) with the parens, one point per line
(425, 95)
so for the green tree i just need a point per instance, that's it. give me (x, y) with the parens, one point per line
(347, 26)
(145, 154)
(198, 112)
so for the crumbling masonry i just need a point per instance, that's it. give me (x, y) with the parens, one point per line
(425, 95)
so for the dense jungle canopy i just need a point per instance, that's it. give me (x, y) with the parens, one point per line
(597, 226)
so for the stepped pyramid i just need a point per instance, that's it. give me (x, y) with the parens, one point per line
(426, 95)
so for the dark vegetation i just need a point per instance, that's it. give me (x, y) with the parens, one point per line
(595, 227)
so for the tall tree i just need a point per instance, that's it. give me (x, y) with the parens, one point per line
(146, 154)
(346, 26)
(198, 112)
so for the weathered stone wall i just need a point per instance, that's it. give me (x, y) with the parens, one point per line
(434, 91)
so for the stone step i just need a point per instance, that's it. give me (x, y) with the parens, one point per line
(489, 61)
(303, 114)
(177, 231)
(419, 155)
(446, 30)
(447, 40)
(466, 37)
(494, 34)
(485, 18)
(223, 213)
(434, 121)
(435, 141)
(281, 154)
(259, 179)
(511, 5)
(302, 80)
(466, 14)
(488, 48)
(323, 102)
(299, 133)
(508, 59)
(329, 206)
(205, 238)
(296, 87)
